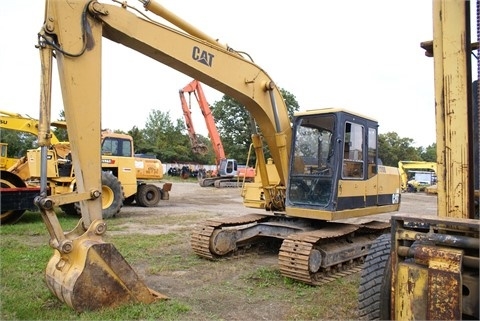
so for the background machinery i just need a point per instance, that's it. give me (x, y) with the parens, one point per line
(138, 177)
(20, 177)
(428, 268)
(327, 164)
(228, 172)
(417, 175)
(125, 178)
(23, 124)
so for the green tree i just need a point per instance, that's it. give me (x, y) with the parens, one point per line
(139, 143)
(235, 127)
(164, 138)
(61, 133)
(18, 142)
(429, 154)
(392, 148)
(168, 142)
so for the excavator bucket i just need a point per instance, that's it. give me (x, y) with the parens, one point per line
(94, 275)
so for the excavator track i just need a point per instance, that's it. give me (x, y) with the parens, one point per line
(321, 256)
(228, 183)
(311, 255)
(202, 234)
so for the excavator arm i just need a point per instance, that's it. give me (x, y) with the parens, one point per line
(212, 64)
(197, 90)
(83, 266)
(197, 147)
(25, 124)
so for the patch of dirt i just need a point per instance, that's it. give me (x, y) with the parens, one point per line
(233, 289)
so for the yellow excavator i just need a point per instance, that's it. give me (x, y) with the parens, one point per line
(414, 184)
(428, 267)
(24, 124)
(327, 163)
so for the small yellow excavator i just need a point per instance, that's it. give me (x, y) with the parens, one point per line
(414, 184)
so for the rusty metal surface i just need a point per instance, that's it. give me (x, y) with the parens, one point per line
(95, 275)
(430, 287)
(294, 260)
(200, 241)
(435, 268)
(472, 224)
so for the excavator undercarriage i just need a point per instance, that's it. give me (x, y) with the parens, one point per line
(308, 251)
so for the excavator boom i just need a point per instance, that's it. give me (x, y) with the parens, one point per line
(16, 194)
(79, 63)
(196, 89)
(228, 172)
(405, 166)
(197, 147)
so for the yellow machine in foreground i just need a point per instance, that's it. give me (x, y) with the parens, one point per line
(327, 166)
(428, 268)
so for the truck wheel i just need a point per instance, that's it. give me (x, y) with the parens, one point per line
(70, 209)
(375, 280)
(112, 195)
(10, 180)
(148, 195)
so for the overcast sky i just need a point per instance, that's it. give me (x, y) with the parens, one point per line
(364, 56)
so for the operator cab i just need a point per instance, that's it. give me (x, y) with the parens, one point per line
(117, 146)
(334, 155)
(228, 167)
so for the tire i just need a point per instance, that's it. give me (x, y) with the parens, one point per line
(375, 281)
(70, 209)
(129, 200)
(112, 192)
(112, 195)
(148, 195)
(10, 180)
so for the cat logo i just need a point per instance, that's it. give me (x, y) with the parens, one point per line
(202, 56)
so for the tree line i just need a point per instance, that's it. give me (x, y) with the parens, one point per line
(168, 139)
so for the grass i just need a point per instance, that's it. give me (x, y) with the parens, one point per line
(198, 289)
(24, 254)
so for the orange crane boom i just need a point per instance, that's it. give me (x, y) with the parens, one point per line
(195, 88)
(227, 170)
